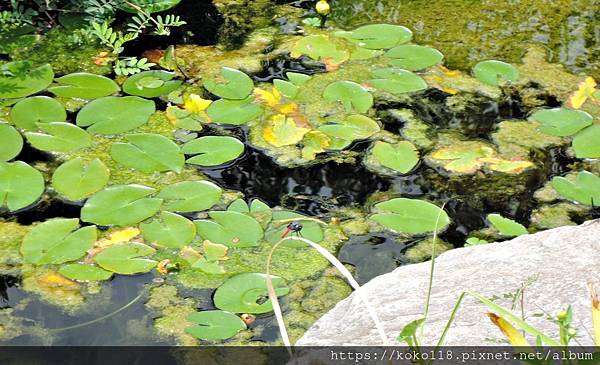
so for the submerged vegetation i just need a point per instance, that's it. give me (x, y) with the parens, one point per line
(175, 170)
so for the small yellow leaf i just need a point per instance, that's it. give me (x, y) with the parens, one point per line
(289, 108)
(189, 254)
(268, 98)
(195, 104)
(52, 279)
(314, 142)
(585, 90)
(514, 337)
(507, 166)
(283, 131)
(122, 235)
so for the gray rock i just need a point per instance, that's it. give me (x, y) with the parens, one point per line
(558, 264)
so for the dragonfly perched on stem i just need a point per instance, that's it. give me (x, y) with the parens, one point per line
(293, 227)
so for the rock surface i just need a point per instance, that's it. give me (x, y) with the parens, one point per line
(555, 265)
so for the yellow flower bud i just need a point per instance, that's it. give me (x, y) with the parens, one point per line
(323, 7)
(561, 315)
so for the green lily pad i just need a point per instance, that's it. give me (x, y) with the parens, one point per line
(379, 36)
(20, 185)
(402, 156)
(77, 179)
(474, 241)
(319, 48)
(561, 121)
(466, 158)
(585, 189)
(241, 293)
(126, 258)
(286, 88)
(190, 196)
(148, 152)
(170, 230)
(12, 142)
(184, 119)
(352, 128)
(232, 229)
(310, 230)
(410, 216)
(585, 143)
(57, 241)
(114, 115)
(120, 205)
(494, 72)
(18, 79)
(149, 6)
(239, 205)
(81, 272)
(84, 85)
(151, 84)
(213, 150)
(397, 81)
(297, 79)
(214, 325)
(59, 137)
(413, 57)
(28, 113)
(350, 94)
(237, 84)
(235, 112)
(506, 227)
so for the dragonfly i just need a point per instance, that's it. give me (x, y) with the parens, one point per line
(294, 227)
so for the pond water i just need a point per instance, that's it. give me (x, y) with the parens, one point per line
(309, 151)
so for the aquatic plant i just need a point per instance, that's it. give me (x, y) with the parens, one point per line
(506, 227)
(411, 216)
(585, 189)
(214, 325)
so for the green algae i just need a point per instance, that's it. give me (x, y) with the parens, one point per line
(11, 235)
(57, 48)
(558, 215)
(517, 138)
(468, 32)
(240, 17)
(421, 251)
(413, 129)
(171, 310)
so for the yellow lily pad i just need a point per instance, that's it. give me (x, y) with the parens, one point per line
(283, 131)
(463, 158)
(314, 142)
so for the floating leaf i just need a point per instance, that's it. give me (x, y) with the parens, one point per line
(235, 112)
(402, 156)
(413, 57)
(59, 137)
(320, 48)
(126, 258)
(151, 84)
(474, 241)
(494, 72)
(20, 185)
(214, 325)
(27, 113)
(283, 131)
(239, 205)
(314, 142)
(147, 152)
(190, 196)
(213, 253)
(76, 179)
(209, 267)
(84, 85)
(507, 166)
(506, 227)
(585, 143)
(242, 293)
(379, 36)
(237, 86)
(81, 272)
(12, 142)
(120, 205)
(352, 128)
(585, 90)
(585, 189)
(57, 241)
(286, 88)
(350, 94)
(310, 230)
(149, 6)
(170, 230)
(18, 79)
(213, 150)
(114, 115)
(297, 79)
(232, 229)
(397, 81)
(410, 216)
(561, 121)
(184, 119)
(463, 158)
